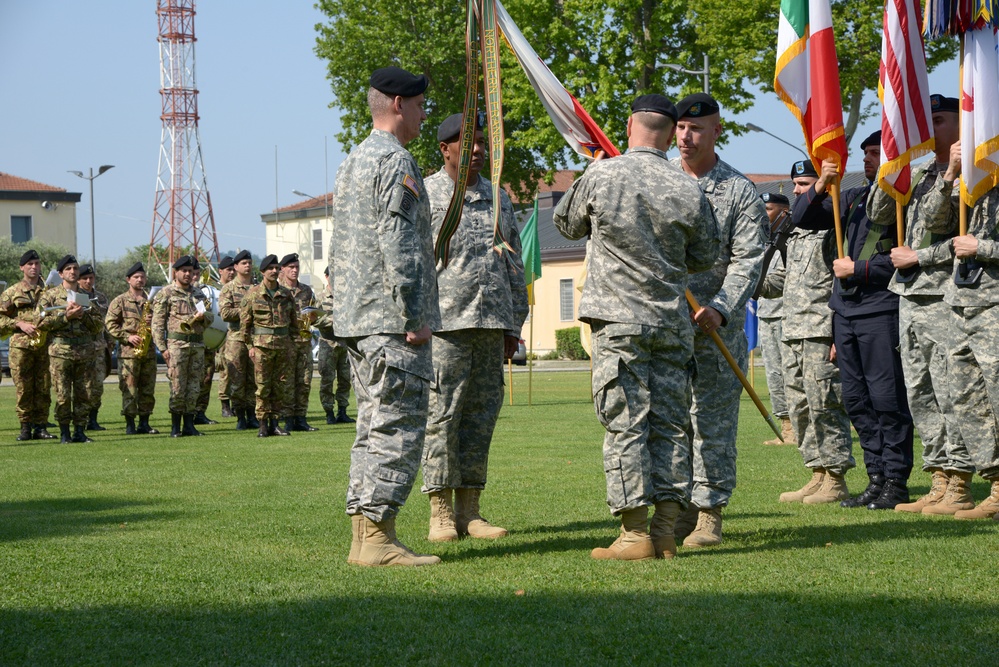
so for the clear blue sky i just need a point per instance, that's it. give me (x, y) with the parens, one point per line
(80, 85)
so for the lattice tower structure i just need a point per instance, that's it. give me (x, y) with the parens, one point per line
(183, 221)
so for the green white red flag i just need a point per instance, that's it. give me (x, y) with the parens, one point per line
(807, 77)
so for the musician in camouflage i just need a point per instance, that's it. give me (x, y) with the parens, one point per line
(136, 374)
(722, 293)
(180, 317)
(649, 225)
(241, 386)
(385, 309)
(29, 353)
(300, 352)
(483, 304)
(72, 332)
(102, 346)
(205, 394)
(334, 363)
(226, 273)
(770, 312)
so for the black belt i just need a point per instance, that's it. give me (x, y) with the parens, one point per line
(66, 340)
(265, 331)
(187, 338)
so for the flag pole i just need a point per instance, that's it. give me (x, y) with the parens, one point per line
(530, 357)
(900, 222)
(834, 192)
(509, 363)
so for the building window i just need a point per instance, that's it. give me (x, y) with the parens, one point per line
(20, 228)
(317, 244)
(566, 303)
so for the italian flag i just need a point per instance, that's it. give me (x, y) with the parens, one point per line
(807, 77)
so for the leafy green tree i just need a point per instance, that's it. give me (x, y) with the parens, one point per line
(10, 258)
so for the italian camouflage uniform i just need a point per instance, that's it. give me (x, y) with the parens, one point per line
(268, 321)
(973, 371)
(925, 320)
(240, 385)
(136, 375)
(638, 256)
(334, 362)
(811, 379)
(29, 356)
(482, 299)
(176, 330)
(205, 395)
(71, 356)
(726, 287)
(770, 312)
(300, 357)
(102, 351)
(384, 284)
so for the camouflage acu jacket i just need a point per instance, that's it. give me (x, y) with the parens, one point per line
(19, 303)
(268, 319)
(69, 338)
(123, 320)
(983, 224)
(174, 313)
(303, 296)
(230, 302)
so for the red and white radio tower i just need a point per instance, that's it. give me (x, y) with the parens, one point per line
(182, 213)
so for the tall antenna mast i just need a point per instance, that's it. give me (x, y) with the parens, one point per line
(182, 213)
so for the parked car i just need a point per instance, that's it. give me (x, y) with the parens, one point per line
(5, 356)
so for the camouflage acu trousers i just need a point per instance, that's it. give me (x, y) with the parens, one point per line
(222, 368)
(100, 372)
(815, 405)
(642, 395)
(715, 415)
(973, 376)
(273, 378)
(392, 380)
(925, 329)
(29, 369)
(300, 377)
(186, 369)
(465, 400)
(72, 380)
(770, 350)
(137, 381)
(206, 381)
(334, 365)
(239, 375)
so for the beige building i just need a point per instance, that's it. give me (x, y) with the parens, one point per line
(31, 211)
(303, 228)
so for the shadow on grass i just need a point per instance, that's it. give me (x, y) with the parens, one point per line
(58, 517)
(579, 628)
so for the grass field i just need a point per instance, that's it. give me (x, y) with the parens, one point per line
(229, 549)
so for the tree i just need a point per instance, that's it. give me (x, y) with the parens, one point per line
(10, 258)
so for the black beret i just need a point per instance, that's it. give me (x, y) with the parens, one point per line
(774, 198)
(451, 127)
(654, 103)
(266, 262)
(225, 263)
(803, 168)
(182, 261)
(289, 258)
(86, 270)
(196, 264)
(873, 140)
(241, 255)
(326, 271)
(697, 105)
(397, 81)
(29, 256)
(64, 262)
(135, 268)
(941, 103)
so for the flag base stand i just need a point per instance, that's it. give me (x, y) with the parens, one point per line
(968, 273)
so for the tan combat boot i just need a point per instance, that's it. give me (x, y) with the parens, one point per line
(380, 547)
(786, 432)
(661, 530)
(986, 509)
(685, 523)
(356, 538)
(633, 543)
(833, 490)
(442, 517)
(709, 529)
(957, 497)
(467, 519)
(938, 487)
(814, 484)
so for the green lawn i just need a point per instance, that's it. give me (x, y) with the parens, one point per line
(230, 549)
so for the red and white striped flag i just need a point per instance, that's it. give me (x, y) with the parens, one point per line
(807, 77)
(979, 117)
(906, 118)
(582, 134)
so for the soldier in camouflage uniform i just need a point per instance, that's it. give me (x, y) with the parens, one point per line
(29, 353)
(334, 364)
(300, 353)
(811, 379)
(205, 394)
(72, 331)
(649, 226)
(926, 322)
(268, 321)
(102, 346)
(136, 374)
(483, 304)
(722, 293)
(240, 385)
(226, 273)
(385, 309)
(180, 316)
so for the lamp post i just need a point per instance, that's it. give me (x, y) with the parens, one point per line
(91, 177)
(757, 128)
(698, 72)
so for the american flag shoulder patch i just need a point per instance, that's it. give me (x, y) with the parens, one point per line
(410, 183)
